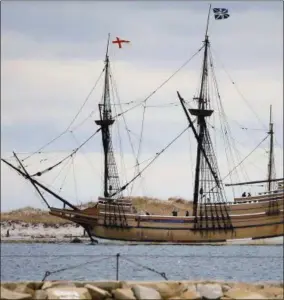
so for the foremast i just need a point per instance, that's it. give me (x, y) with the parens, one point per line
(114, 214)
(209, 203)
(111, 178)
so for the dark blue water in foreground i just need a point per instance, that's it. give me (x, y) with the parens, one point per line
(233, 263)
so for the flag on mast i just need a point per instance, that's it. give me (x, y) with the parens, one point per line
(119, 42)
(221, 13)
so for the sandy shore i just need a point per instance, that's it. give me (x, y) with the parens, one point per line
(64, 233)
(53, 233)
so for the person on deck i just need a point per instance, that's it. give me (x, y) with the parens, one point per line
(175, 212)
(244, 194)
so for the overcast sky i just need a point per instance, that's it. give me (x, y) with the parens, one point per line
(52, 53)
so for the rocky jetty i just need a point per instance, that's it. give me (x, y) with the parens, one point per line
(133, 290)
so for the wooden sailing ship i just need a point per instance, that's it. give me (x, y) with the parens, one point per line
(213, 218)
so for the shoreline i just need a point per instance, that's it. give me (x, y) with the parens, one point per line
(22, 232)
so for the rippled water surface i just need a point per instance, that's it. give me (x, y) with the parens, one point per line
(98, 262)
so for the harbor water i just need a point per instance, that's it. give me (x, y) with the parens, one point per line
(245, 263)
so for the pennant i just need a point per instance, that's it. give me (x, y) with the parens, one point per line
(119, 42)
(221, 13)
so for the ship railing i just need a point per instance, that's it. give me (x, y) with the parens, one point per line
(260, 198)
(70, 214)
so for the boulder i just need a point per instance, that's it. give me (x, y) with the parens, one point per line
(37, 285)
(210, 291)
(24, 288)
(97, 293)
(105, 285)
(243, 294)
(76, 240)
(7, 294)
(9, 285)
(145, 293)
(123, 294)
(226, 288)
(166, 289)
(40, 295)
(273, 292)
(191, 293)
(55, 284)
(68, 293)
(244, 286)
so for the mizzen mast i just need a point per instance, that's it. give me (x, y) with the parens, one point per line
(111, 178)
(271, 166)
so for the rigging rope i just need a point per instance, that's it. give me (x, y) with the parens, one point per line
(163, 274)
(234, 140)
(75, 181)
(238, 164)
(142, 162)
(88, 160)
(73, 120)
(162, 84)
(239, 92)
(60, 189)
(225, 128)
(150, 163)
(136, 157)
(140, 144)
(114, 91)
(87, 98)
(158, 105)
(57, 176)
(144, 108)
(84, 121)
(48, 273)
(70, 155)
(245, 157)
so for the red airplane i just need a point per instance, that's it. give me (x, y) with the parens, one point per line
(119, 42)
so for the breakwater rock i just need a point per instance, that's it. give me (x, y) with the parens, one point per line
(134, 290)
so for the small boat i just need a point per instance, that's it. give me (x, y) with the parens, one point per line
(214, 218)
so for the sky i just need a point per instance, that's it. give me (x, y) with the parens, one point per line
(52, 54)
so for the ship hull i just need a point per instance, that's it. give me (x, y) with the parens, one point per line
(181, 230)
(170, 229)
(186, 236)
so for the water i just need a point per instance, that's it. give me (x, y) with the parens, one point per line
(233, 263)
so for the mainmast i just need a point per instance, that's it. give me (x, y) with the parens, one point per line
(207, 184)
(111, 178)
(201, 113)
(271, 169)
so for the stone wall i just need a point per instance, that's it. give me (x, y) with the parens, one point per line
(122, 290)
